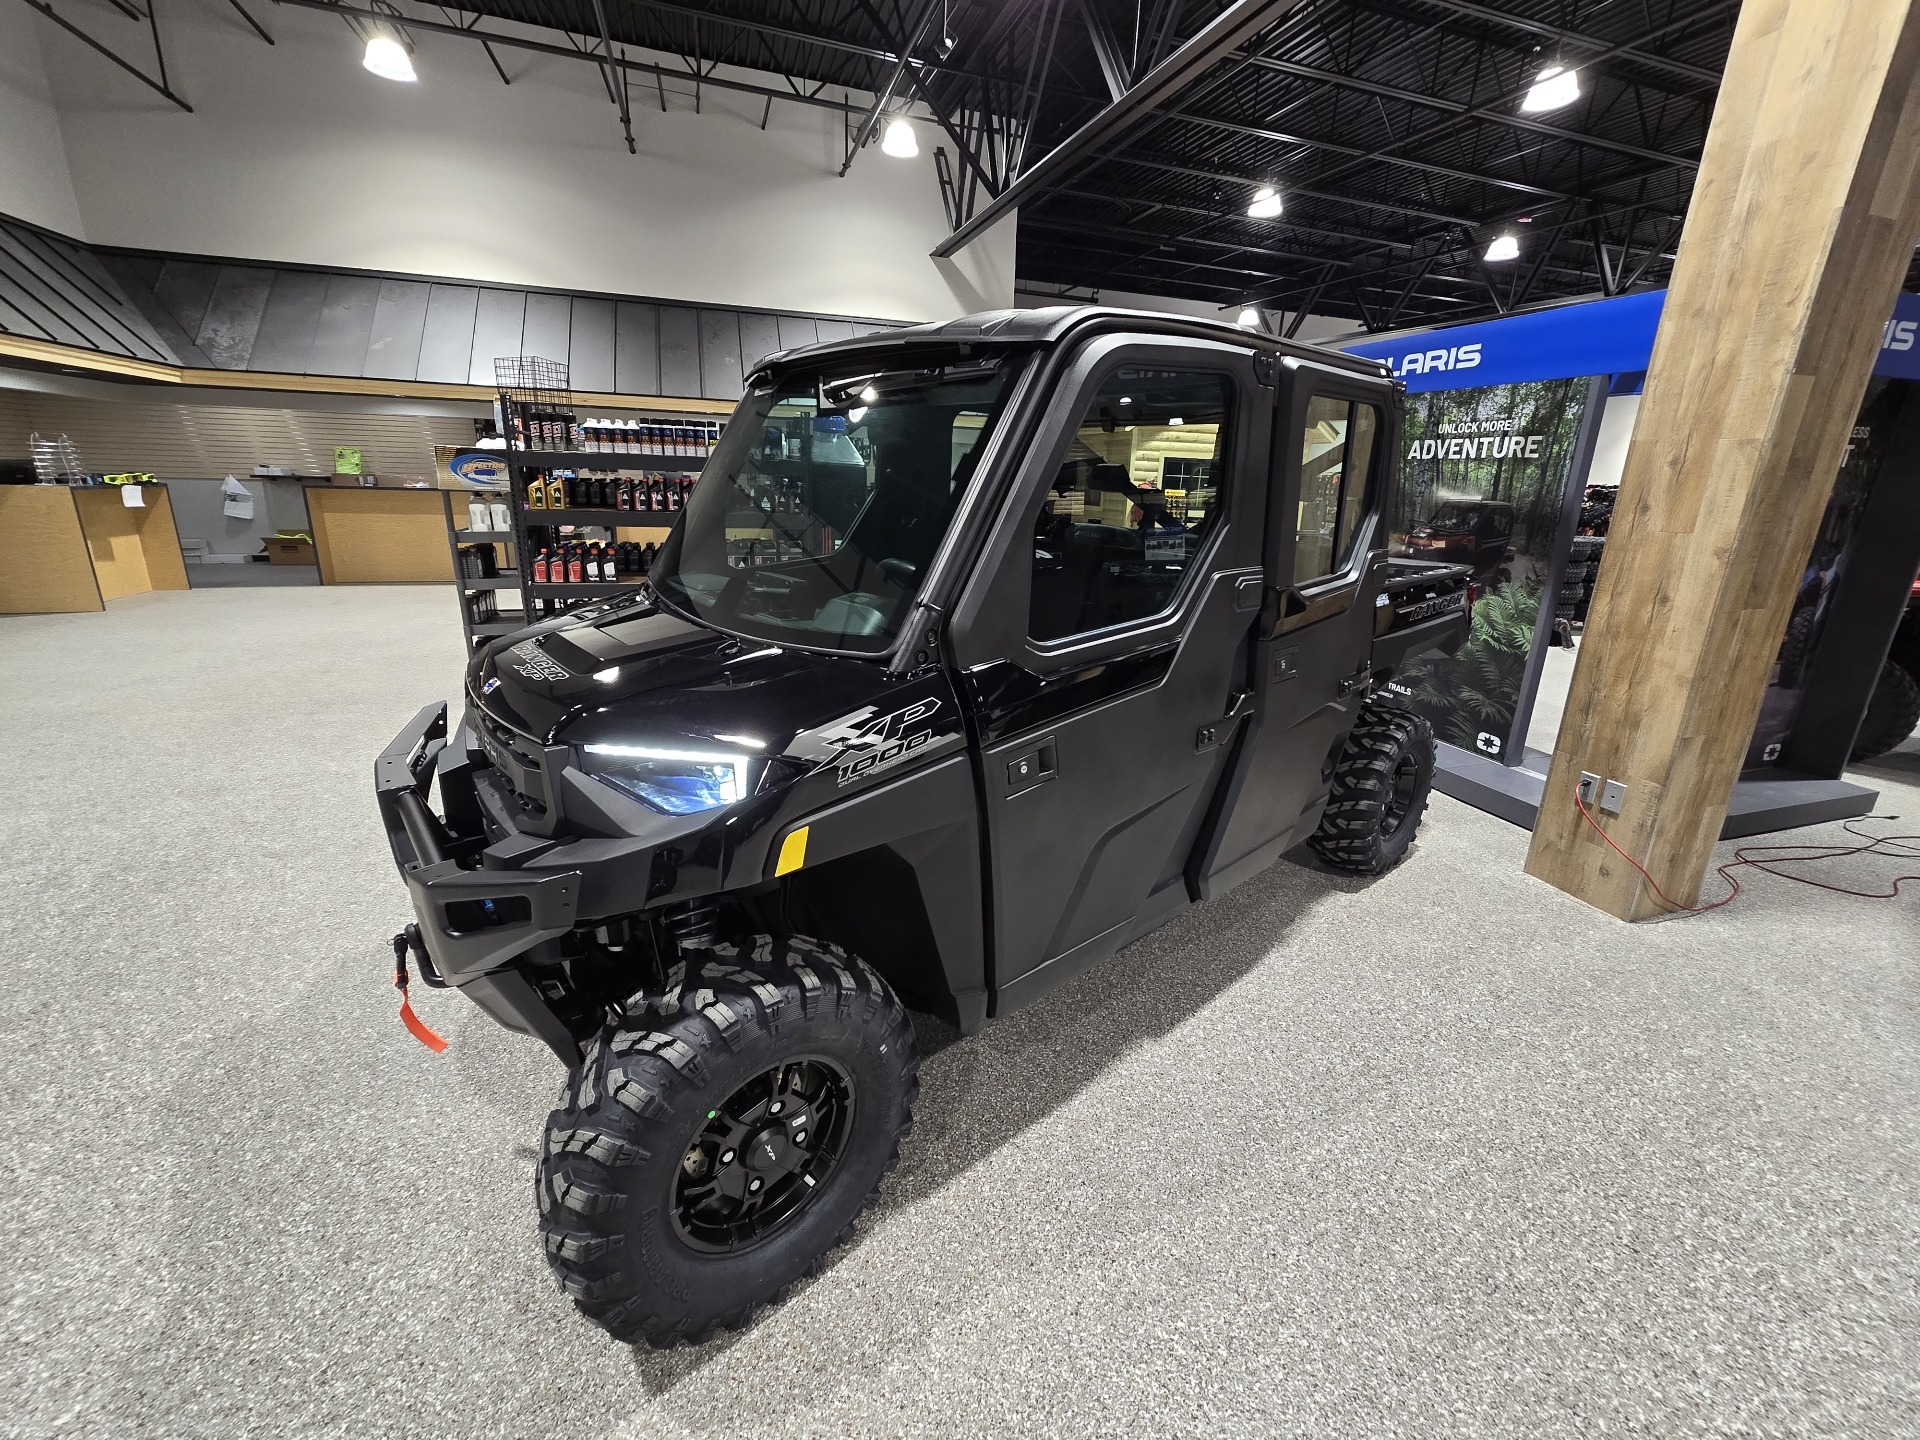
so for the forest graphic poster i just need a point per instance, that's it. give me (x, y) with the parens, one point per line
(1484, 475)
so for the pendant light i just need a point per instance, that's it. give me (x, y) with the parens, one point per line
(899, 139)
(387, 57)
(1504, 247)
(1554, 88)
(389, 52)
(1266, 204)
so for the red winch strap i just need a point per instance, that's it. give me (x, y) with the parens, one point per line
(416, 1027)
(419, 1028)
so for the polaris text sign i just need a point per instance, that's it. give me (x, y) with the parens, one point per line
(1602, 337)
(1429, 362)
(1597, 337)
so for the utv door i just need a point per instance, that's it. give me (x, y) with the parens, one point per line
(1326, 559)
(1105, 636)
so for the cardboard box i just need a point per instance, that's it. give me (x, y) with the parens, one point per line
(289, 550)
(456, 467)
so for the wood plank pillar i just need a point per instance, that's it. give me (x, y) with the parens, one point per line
(1803, 222)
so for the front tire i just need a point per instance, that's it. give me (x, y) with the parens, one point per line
(698, 1167)
(1891, 714)
(1380, 788)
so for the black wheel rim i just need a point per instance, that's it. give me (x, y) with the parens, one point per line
(762, 1155)
(1406, 784)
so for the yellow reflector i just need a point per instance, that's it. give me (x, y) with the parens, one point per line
(793, 852)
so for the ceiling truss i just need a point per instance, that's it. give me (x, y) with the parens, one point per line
(1130, 135)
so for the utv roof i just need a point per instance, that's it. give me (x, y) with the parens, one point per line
(1054, 323)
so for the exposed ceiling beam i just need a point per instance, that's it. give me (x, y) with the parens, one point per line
(1461, 110)
(538, 47)
(1286, 188)
(1448, 248)
(1493, 109)
(1334, 147)
(1238, 24)
(1154, 202)
(1106, 50)
(1573, 37)
(920, 64)
(1077, 227)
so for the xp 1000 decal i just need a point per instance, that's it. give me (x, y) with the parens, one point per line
(870, 742)
(1484, 475)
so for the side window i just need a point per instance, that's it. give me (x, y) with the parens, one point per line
(1133, 502)
(1336, 483)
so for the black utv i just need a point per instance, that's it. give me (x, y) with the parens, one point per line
(980, 650)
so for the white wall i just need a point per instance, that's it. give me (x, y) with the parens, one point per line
(34, 182)
(295, 153)
(1610, 445)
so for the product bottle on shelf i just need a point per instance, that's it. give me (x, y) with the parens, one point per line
(478, 515)
(540, 568)
(576, 566)
(673, 493)
(499, 516)
(623, 495)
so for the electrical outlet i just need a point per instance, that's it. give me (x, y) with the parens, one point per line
(1613, 795)
(1589, 787)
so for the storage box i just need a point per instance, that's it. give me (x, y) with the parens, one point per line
(455, 468)
(289, 550)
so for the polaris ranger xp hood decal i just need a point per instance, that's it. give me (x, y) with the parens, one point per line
(868, 742)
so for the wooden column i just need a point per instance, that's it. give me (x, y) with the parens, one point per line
(1802, 224)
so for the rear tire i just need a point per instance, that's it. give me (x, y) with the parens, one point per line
(1380, 789)
(643, 1182)
(1891, 714)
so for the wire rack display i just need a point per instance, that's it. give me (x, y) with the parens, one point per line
(536, 401)
(55, 458)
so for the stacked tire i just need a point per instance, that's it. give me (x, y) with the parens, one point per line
(1576, 585)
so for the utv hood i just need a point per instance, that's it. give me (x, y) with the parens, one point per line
(636, 675)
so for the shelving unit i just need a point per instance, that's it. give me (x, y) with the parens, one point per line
(475, 620)
(535, 401)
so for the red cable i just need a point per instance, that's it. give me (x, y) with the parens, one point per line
(1745, 856)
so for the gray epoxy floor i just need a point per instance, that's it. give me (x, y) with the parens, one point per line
(1448, 1154)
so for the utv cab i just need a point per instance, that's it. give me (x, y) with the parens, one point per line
(1476, 533)
(980, 650)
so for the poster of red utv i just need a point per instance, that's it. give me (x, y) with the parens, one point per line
(1484, 483)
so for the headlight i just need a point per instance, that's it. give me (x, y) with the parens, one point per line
(674, 782)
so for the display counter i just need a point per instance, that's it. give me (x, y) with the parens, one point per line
(365, 536)
(67, 548)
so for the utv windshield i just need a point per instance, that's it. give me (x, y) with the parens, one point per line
(821, 508)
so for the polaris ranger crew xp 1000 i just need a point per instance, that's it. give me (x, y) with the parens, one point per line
(980, 650)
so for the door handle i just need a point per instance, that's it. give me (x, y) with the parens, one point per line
(1215, 732)
(1247, 591)
(1033, 767)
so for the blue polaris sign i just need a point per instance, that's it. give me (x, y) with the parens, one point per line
(1598, 337)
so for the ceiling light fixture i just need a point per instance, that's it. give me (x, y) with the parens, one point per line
(1554, 88)
(1250, 318)
(387, 57)
(389, 52)
(1265, 204)
(1504, 247)
(899, 140)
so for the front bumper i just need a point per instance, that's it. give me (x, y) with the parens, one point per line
(475, 923)
(471, 920)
